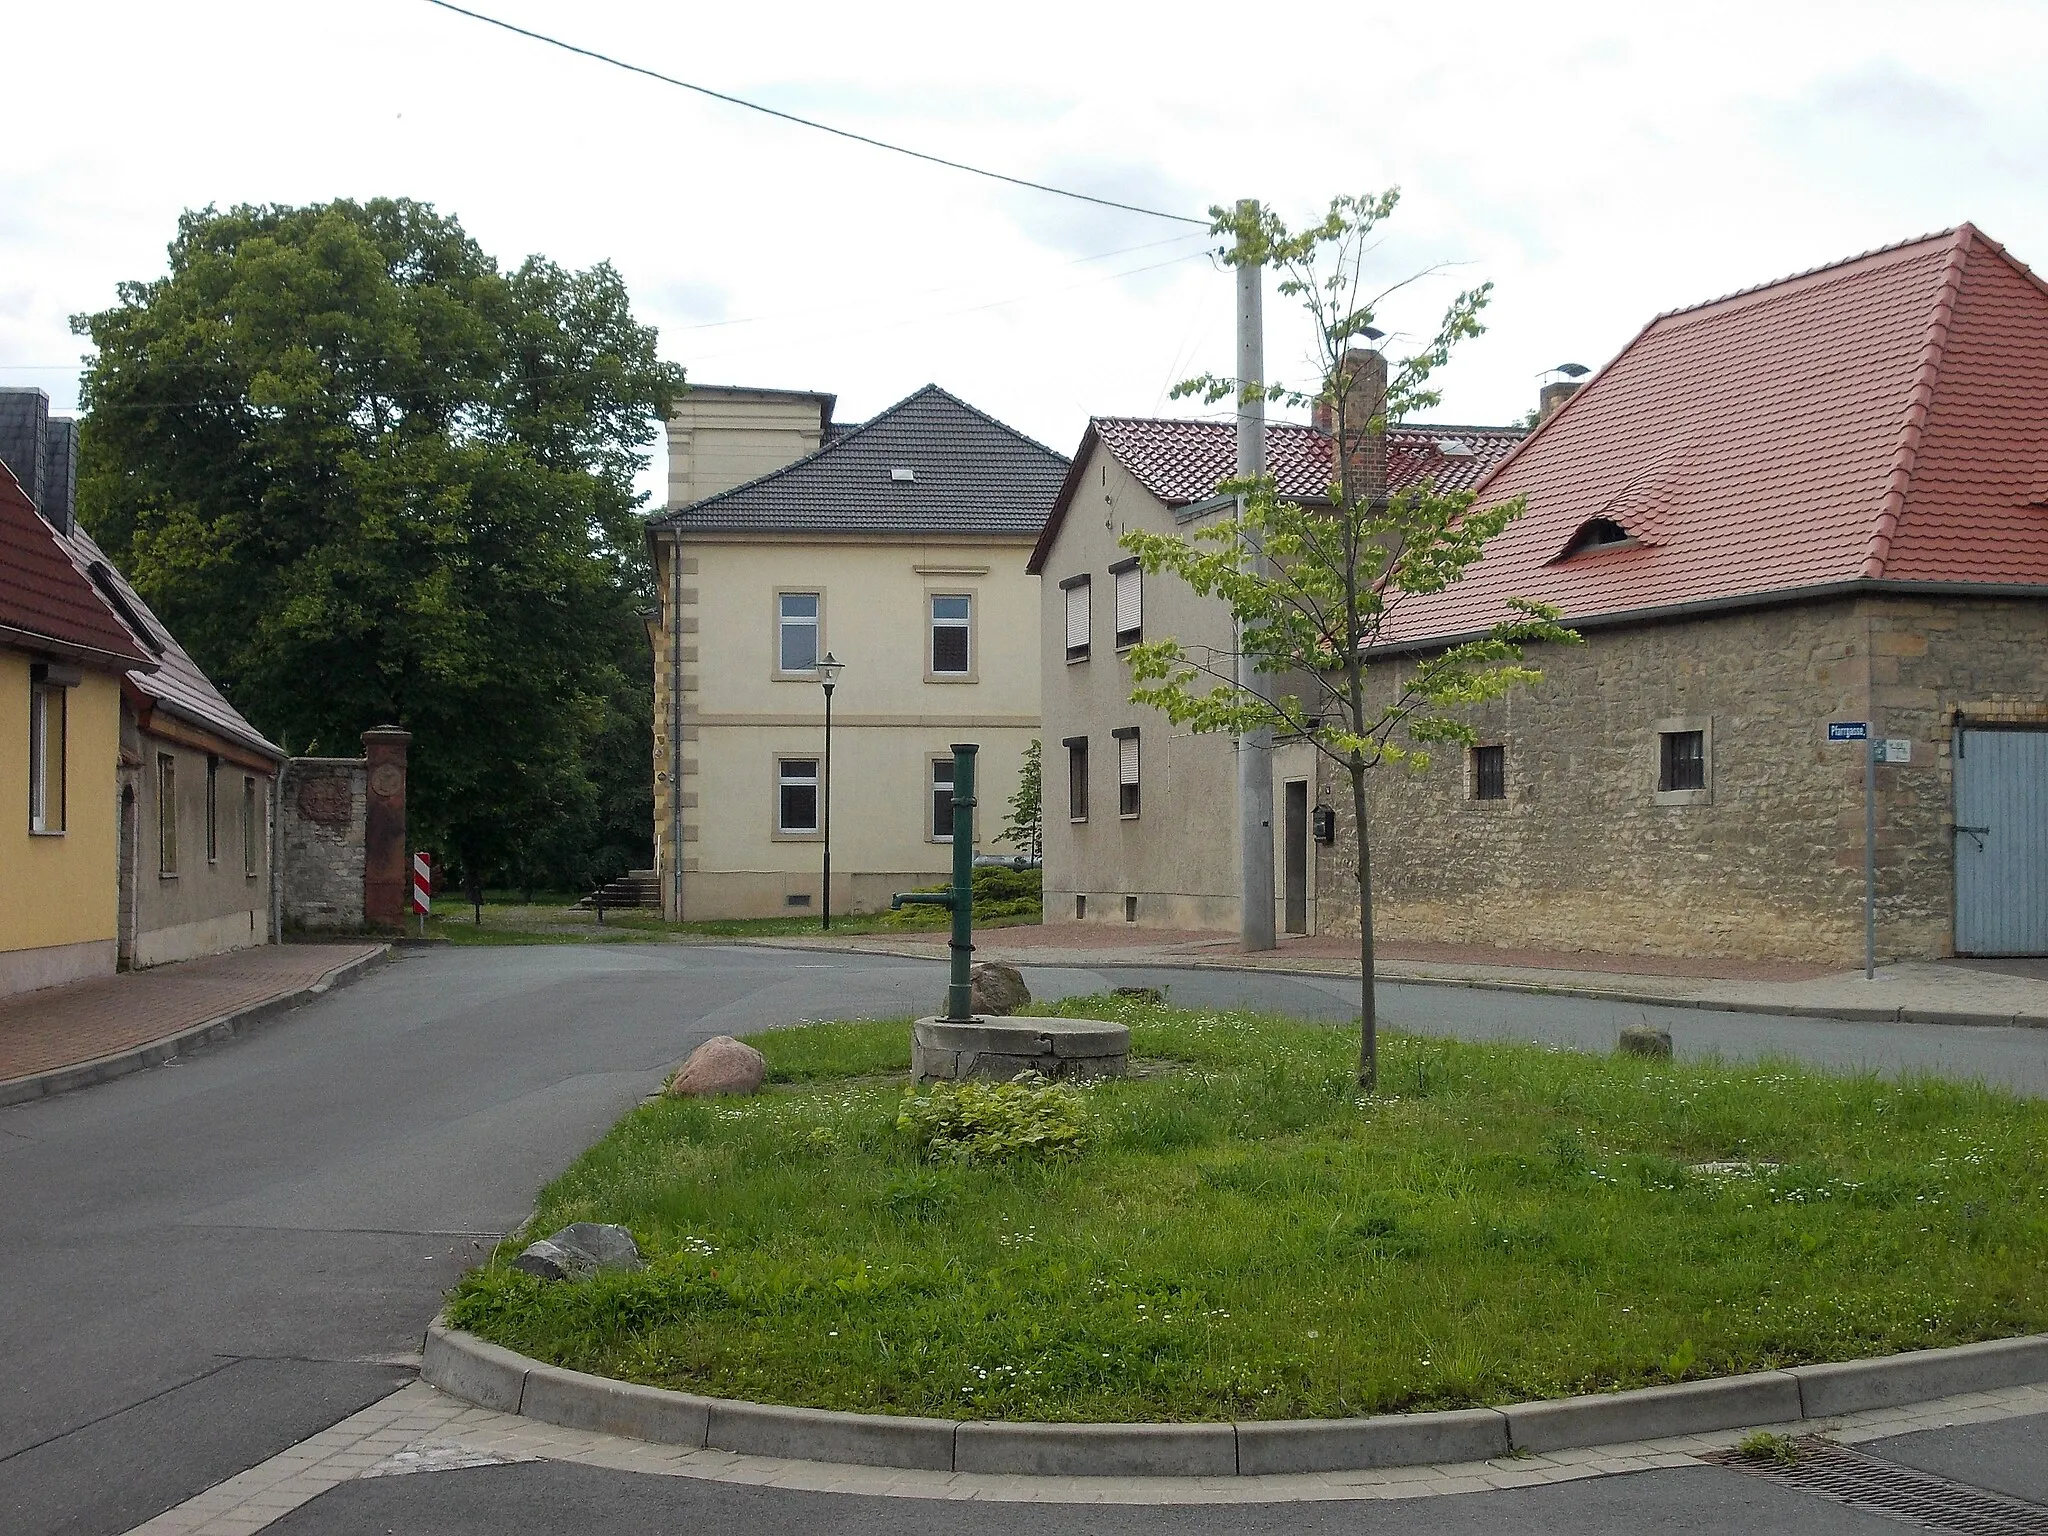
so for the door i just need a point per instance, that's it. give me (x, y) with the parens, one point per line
(2001, 842)
(1297, 856)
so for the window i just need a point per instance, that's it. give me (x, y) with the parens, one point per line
(212, 810)
(1602, 533)
(797, 796)
(1077, 778)
(1489, 773)
(166, 814)
(1126, 771)
(942, 799)
(1681, 760)
(796, 631)
(951, 619)
(46, 753)
(1076, 588)
(249, 825)
(1130, 603)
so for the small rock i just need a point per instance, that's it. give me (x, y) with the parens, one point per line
(579, 1249)
(997, 988)
(1139, 994)
(1642, 1040)
(720, 1065)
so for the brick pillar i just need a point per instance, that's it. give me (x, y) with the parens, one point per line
(386, 880)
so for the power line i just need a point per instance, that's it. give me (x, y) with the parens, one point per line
(805, 122)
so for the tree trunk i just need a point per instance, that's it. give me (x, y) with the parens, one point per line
(1368, 1002)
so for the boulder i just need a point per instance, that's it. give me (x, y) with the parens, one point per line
(720, 1065)
(582, 1248)
(1643, 1040)
(998, 989)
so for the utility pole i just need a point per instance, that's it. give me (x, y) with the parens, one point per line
(1254, 748)
(675, 724)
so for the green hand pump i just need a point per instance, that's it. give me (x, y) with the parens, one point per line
(960, 899)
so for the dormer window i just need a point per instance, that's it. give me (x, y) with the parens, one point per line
(1602, 533)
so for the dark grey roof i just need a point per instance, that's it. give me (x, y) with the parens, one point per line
(972, 475)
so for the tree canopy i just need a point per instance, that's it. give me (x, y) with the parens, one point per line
(368, 476)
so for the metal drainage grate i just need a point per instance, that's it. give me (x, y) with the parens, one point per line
(1886, 1488)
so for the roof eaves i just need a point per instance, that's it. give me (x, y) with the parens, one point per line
(1906, 454)
(1070, 485)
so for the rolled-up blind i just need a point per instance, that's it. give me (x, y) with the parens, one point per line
(1077, 617)
(1127, 760)
(1130, 607)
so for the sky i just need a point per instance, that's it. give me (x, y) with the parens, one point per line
(1598, 163)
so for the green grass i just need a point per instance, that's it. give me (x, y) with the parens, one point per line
(1245, 1237)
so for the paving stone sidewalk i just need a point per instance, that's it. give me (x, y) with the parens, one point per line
(90, 1021)
(1942, 992)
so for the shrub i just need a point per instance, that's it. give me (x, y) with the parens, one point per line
(974, 1122)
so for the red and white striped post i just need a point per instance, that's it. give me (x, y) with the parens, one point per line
(422, 887)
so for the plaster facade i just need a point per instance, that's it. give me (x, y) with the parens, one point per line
(206, 887)
(891, 717)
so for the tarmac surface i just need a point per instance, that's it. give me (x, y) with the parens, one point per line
(211, 1260)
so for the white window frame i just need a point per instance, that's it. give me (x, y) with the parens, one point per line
(48, 758)
(784, 779)
(1129, 603)
(932, 833)
(1127, 805)
(815, 623)
(933, 624)
(1078, 616)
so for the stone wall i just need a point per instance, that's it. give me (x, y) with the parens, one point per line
(1584, 853)
(321, 832)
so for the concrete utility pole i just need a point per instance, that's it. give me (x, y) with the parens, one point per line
(1254, 748)
(675, 726)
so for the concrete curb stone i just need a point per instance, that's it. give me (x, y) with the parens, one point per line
(41, 1085)
(490, 1376)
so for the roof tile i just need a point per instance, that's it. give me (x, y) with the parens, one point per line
(43, 593)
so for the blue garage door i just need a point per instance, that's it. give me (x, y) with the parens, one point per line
(2001, 842)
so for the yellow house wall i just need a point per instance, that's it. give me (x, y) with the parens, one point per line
(889, 720)
(58, 891)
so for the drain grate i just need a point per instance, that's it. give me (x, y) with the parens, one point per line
(1886, 1488)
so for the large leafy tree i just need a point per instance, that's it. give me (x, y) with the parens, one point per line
(368, 475)
(1313, 587)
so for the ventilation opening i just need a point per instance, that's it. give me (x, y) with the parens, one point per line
(1080, 909)
(797, 899)
(1130, 909)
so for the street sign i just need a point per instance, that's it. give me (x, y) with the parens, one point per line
(1895, 749)
(1848, 730)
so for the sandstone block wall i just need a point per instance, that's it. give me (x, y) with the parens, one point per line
(1768, 861)
(322, 834)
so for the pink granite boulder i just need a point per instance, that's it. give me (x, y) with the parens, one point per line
(720, 1065)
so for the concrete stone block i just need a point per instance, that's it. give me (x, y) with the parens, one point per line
(1097, 1450)
(464, 1366)
(1685, 1408)
(575, 1400)
(1387, 1440)
(1917, 1375)
(1000, 1048)
(815, 1434)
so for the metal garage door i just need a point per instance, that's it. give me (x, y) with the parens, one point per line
(2001, 842)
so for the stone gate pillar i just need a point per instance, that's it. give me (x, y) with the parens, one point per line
(386, 882)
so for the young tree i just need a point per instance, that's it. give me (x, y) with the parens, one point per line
(1025, 830)
(370, 476)
(1314, 587)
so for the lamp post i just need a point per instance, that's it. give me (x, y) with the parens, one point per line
(828, 674)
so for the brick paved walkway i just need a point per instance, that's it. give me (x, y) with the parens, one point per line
(65, 1026)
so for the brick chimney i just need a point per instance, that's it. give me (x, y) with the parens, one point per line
(40, 452)
(1554, 394)
(1362, 377)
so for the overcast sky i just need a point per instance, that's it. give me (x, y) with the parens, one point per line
(1599, 163)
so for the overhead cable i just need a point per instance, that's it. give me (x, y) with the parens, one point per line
(805, 122)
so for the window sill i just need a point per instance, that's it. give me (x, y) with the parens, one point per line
(167, 874)
(1077, 821)
(952, 677)
(1074, 658)
(795, 677)
(46, 831)
(1135, 816)
(796, 837)
(1685, 797)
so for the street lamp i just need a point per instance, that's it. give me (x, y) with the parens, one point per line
(828, 674)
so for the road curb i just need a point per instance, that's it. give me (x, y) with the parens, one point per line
(465, 1366)
(84, 1074)
(1849, 1014)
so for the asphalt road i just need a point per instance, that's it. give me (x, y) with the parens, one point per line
(207, 1262)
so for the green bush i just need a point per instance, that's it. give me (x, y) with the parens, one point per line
(974, 1122)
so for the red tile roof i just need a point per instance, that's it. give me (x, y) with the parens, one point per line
(43, 597)
(1883, 419)
(1182, 462)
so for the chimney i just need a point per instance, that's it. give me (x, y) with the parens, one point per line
(1554, 394)
(1362, 377)
(40, 453)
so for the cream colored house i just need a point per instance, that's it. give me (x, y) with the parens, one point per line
(897, 545)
